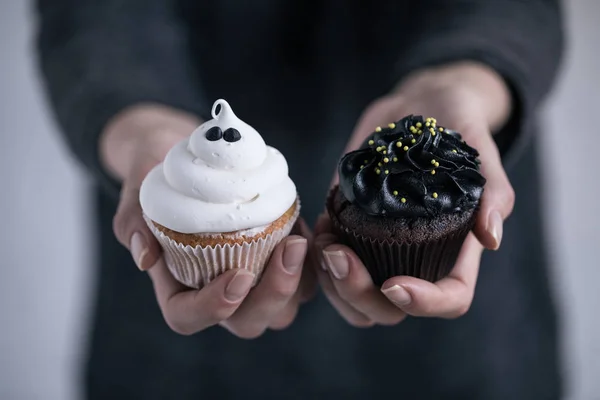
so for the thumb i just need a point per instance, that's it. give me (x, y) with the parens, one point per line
(498, 197)
(381, 112)
(131, 229)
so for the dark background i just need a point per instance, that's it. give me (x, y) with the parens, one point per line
(46, 261)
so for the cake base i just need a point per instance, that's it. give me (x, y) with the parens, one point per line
(426, 248)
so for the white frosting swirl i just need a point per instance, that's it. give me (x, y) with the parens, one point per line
(214, 185)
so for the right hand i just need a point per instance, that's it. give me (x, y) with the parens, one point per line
(133, 143)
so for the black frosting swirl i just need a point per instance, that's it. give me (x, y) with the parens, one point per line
(412, 168)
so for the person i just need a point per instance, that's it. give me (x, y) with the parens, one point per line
(127, 80)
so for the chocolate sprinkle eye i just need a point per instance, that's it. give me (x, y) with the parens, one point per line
(232, 135)
(213, 134)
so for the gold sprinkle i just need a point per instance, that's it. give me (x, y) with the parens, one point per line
(398, 144)
(431, 130)
(414, 141)
(386, 160)
(435, 195)
(428, 124)
(419, 124)
(433, 162)
(371, 142)
(432, 133)
(441, 129)
(405, 148)
(377, 171)
(385, 152)
(366, 161)
(392, 125)
(362, 166)
(413, 129)
(395, 193)
(378, 149)
(403, 200)
(379, 164)
(437, 164)
(433, 172)
(395, 159)
(386, 171)
(454, 151)
(420, 131)
(378, 129)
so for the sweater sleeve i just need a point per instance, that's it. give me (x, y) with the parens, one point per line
(520, 39)
(99, 57)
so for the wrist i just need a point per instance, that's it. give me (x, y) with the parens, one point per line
(147, 129)
(481, 82)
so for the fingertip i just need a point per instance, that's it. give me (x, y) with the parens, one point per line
(238, 286)
(294, 254)
(489, 230)
(415, 296)
(337, 247)
(295, 239)
(398, 295)
(408, 283)
(345, 250)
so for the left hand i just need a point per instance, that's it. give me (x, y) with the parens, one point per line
(473, 100)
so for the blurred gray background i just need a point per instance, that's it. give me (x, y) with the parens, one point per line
(46, 261)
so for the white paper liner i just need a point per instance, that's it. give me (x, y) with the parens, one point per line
(197, 266)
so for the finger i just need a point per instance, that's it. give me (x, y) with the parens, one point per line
(308, 280)
(324, 237)
(450, 297)
(131, 229)
(286, 316)
(276, 288)
(498, 197)
(379, 113)
(188, 311)
(323, 240)
(355, 286)
(346, 311)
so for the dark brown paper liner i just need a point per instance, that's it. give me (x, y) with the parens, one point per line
(430, 261)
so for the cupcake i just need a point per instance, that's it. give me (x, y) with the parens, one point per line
(407, 199)
(222, 199)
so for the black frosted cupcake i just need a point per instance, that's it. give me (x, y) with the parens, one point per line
(407, 199)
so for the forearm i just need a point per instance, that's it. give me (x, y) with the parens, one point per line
(521, 41)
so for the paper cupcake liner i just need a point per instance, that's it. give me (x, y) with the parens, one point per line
(431, 261)
(197, 266)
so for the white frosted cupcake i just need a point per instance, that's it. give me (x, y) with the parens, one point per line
(221, 199)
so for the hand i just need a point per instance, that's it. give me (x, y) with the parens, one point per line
(132, 144)
(472, 100)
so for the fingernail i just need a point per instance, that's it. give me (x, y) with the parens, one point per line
(337, 262)
(293, 255)
(239, 286)
(397, 295)
(321, 242)
(139, 249)
(494, 227)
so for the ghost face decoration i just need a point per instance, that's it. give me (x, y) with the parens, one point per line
(226, 142)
